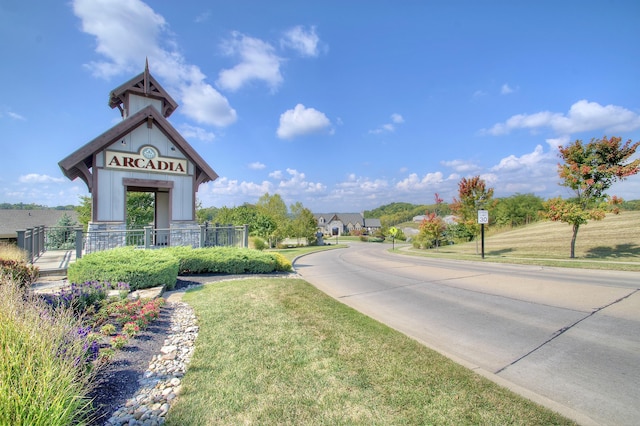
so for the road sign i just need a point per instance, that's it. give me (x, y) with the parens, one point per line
(483, 216)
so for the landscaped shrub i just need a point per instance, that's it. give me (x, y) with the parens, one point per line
(282, 263)
(14, 266)
(228, 260)
(140, 268)
(19, 272)
(257, 243)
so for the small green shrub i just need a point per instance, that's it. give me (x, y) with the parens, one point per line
(140, 268)
(375, 240)
(282, 263)
(108, 329)
(258, 243)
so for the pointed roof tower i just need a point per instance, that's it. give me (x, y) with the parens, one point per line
(142, 85)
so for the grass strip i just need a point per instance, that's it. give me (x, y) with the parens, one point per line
(278, 351)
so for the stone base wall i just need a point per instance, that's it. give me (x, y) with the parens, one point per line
(105, 235)
(184, 234)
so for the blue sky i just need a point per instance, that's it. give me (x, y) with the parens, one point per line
(341, 105)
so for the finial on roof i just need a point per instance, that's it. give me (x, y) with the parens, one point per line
(146, 75)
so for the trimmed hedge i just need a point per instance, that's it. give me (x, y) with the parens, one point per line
(228, 260)
(140, 268)
(151, 268)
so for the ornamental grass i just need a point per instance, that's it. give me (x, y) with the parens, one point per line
(44, 350)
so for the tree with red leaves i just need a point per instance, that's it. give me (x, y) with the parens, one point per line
(431, 230)
(473, 196)
(589, 170)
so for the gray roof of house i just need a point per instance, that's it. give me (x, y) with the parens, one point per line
(350, 218)
(373, 223)
(345, 218)
(14, 220)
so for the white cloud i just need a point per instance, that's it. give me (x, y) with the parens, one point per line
(389, 127)
(534, 172)
(258, 61)
(362, 185)
(276, 174)
(193, 132)
(526, 161)
(397, 118)
(203, 17)
(235, 188)
(16, 116)
(302, 121)
(37, 178)
(506, 89)
(554, 143)
(256, 165)
(415, 183)
(461, 166)
(304, 42)
(127, 31)
(297, 183)
(206, 105)
(582, 116)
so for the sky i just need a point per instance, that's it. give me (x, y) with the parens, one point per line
(341, 105)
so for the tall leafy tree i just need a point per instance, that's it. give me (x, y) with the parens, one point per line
(84, 211)
(473, 196)
(518, 209)
(303, 223)
(589, 170)
(140, 209)
(274, 207)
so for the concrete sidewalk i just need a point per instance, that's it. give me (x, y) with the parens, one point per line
(53, 270)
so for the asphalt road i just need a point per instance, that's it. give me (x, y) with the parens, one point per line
(566, 338)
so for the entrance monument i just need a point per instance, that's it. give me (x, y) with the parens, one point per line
(143, 153)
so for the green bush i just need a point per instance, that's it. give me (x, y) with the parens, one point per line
(282, 263)
(140, 268)
(150, 268)
(19, 272)
(228, 260)
(257, 243)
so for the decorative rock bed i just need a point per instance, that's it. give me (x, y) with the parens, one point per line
(162, 381)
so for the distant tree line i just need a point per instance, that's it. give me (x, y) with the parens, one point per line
(269, 219)
(32, 206)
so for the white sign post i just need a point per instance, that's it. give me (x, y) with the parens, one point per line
(483, 217)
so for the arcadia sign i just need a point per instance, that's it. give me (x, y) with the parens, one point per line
(146, 160)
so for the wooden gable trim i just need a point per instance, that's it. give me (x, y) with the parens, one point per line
(79, 162)
(144, 85)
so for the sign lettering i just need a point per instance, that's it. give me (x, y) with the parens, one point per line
(145, 161)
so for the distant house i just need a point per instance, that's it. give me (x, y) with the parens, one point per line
(340, 223)
(12, 220)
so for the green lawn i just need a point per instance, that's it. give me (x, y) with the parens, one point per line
(292, 253)
(278, 351)
(612, 243)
